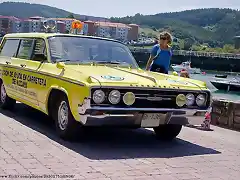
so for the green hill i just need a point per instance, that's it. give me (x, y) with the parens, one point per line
(213, 26)
(25, 10)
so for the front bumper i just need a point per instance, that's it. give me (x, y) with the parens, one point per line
(138, 117)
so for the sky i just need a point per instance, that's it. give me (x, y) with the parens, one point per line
(120, 8)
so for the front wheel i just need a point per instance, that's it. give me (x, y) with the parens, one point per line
(167, 131)
(5, 101)
(66, 125)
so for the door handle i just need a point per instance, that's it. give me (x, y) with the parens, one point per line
(23, 65)
(7, 62)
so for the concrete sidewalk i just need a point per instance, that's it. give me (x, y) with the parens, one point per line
(28, 145)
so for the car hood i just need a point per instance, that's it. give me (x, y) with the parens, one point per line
(121, 76)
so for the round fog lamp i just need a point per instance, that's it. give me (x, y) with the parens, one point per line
(114, 97)
(190, 99)
(200, 100)
(129, 98)
(181, 100)
(98, 96)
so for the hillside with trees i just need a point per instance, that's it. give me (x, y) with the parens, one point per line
(25, 10)
(200, 29)
(211, 27)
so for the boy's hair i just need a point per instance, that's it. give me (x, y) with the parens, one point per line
(166, 34)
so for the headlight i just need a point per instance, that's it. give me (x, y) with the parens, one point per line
(98, 96)
(190, 99)
(200, 100)
(114, 97)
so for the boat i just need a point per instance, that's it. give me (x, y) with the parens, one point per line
(187, 66)
(221, 76)
(227, 85)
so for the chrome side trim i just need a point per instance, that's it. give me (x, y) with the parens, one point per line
(44, 74)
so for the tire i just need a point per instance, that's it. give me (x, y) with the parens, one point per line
(167, 132)
(66, 125)
(5, 101)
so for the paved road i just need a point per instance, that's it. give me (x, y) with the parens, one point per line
(28, 145)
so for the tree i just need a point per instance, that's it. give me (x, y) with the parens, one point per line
(151, 35)
(71, 16)
(214, 26)
(188, 44)
(228, 48)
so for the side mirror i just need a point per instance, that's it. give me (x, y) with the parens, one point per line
(60, 65)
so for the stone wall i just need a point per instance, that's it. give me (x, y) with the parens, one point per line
(226, 113)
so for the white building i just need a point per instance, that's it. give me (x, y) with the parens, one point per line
(112, 30)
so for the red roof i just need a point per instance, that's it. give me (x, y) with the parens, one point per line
(133, 25)
(36, 17)
(60, 22)
(9, 17)
(110, 24)
(88, 21)
(64, 19)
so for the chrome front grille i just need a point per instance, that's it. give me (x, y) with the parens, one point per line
(148, 98)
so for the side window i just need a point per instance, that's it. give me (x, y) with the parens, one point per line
(25, 49)
(39, 50)
(9, 47)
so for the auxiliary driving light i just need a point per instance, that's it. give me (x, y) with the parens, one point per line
(129, 98)
(181, 100)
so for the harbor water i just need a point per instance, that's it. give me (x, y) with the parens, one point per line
(217, 94)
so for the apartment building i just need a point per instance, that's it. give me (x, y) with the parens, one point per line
(67, 21)
(133, 32)
(112, 30)
(119, 31)
(85, 29)
(9, 24)
(91, 28)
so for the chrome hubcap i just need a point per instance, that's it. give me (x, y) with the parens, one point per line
(3, 93)
(63, 115)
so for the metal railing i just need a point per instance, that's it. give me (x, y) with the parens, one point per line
(194, 53)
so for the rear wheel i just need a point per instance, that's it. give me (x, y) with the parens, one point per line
(5, 101)
(66, 125)
(167, 132)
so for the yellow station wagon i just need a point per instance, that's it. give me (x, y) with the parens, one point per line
(89, 81)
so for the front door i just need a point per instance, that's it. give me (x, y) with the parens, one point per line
(26, 78)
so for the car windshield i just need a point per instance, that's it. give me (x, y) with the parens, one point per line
(88, 50)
